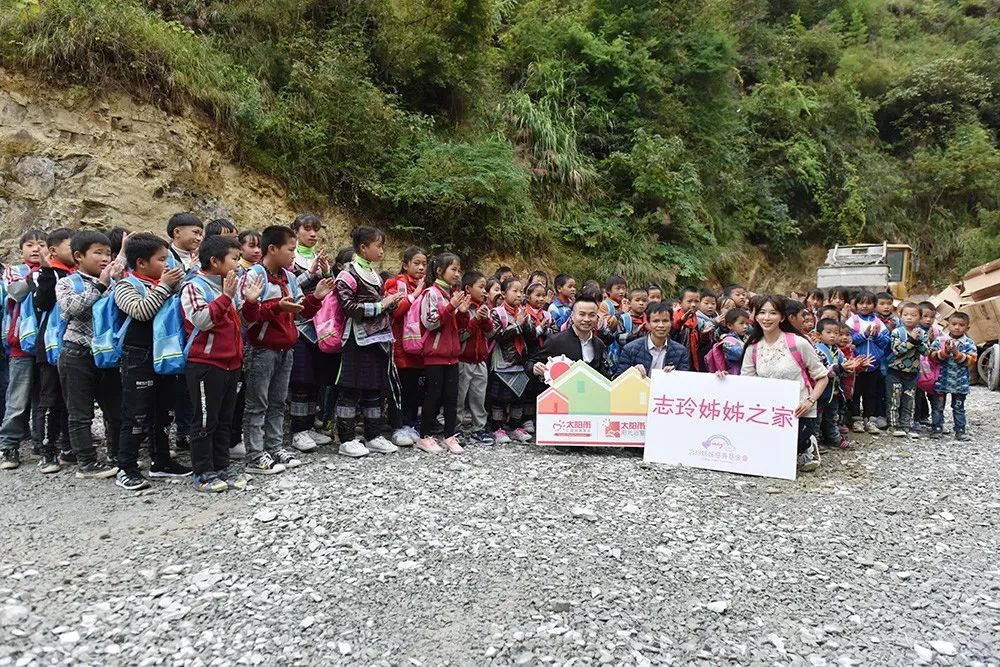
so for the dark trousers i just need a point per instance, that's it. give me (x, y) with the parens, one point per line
(868, 394)
(213, 402)
(921, 407)
(236, 430)
(350, 401)
(807, 428)
(902, 389)
(182, 409)
(82, 384)
(146, 409)
(409, 382)
(442, 392)
(53, 421)
(829, 419)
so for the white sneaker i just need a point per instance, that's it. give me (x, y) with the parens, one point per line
(528, 426)
(899, 433)
(520, 435)
(381, 445)
(353, 448)
(859, 426)
(873, 428)
(319, 438)
(402, 438)
(412, 432)
(238, 452)
(302, 442)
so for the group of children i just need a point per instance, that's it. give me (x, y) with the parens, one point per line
(223, 333)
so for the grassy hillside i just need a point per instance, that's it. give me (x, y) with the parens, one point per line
(660, 140)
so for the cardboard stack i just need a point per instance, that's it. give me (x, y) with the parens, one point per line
(978, 295)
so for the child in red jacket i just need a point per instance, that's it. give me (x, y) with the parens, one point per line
(443, 311)
(410, 367)
(473, 373)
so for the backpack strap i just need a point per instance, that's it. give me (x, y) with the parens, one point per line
(793, 348)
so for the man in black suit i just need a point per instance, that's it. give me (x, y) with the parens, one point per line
(576, 342)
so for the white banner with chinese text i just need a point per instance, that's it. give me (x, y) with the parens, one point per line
(736, 424)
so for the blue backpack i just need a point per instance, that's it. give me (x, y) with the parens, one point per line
(27, 324)
(170, 350)
(110, 327)
(55, 327)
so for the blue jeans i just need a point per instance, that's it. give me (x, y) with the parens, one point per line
(265, 382)
(17, 418)
(829, 420)
(902, 390)
(957, 412)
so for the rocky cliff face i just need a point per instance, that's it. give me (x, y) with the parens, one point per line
(68, 158)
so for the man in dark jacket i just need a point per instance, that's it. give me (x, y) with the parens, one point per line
(654, 351)
(577, 342)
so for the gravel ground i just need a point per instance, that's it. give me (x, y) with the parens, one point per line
(513, 555)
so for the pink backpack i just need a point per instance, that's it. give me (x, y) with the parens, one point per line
(796, 355)
(930, 371)
(330, 321)
(715, 360)
(414, 333)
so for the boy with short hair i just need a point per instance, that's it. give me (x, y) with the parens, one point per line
(907, 344)
(830, 402)
(20, 281)
(57, 263)
(562, 305)
(616, 287)
(271, 336)
(82, 381)
(956, 353)
(185, 231)
(150, 395)
(655, 293)
(928, 313)
(215, 358)
(221, 227)
(685, 328)
(634, 322)
(473, 374)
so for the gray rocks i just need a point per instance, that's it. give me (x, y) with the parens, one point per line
(516, 556)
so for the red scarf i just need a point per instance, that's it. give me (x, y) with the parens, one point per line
(537, 316)
(638, 321)
(144, 277)
(519, 345)
(56, 264)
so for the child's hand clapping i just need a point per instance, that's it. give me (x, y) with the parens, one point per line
(522, 316)
(456, 300)
(288, 305)
(171, 277)
(253, 288)
(463, 306)
(229, 284)
(483, 312)
(323, 288)
(391, 301)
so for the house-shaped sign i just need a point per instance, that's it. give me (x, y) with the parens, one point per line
(581, 407)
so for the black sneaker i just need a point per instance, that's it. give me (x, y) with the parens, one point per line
(67, 457)
(167, 470)
(36, 447)
(96, 470)
(183, 444)
(131, 480)
(962, 436)
(49, 464)
(10, 459)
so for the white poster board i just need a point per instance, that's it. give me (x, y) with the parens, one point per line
(736, 424)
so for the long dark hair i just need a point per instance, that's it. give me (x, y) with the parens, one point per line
(442, 261)
(779, 303)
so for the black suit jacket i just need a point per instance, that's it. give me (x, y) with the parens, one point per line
(568, 343)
